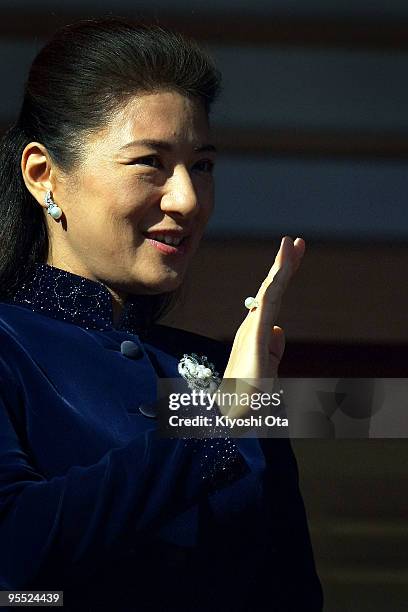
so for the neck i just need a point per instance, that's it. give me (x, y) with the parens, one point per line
(118, 302)
(118, 298)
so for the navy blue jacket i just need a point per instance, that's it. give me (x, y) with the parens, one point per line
(95, 503)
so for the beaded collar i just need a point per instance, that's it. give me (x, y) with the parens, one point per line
(64, 295)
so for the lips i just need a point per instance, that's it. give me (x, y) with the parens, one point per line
(167, 238)
(170, 242)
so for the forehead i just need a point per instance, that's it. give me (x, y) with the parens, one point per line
(162, 115)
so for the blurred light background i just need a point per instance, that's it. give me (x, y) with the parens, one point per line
(312, 129)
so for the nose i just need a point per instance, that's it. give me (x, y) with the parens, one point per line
(180, 196)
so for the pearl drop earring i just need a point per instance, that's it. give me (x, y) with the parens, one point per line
(52, 208)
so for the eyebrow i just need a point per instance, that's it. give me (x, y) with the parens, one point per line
(166, 146)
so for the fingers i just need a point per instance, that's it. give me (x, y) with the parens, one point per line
(293, 251)
(299, 249)
(283, 254)
(300, 245)
(272, 295)
(289, 252)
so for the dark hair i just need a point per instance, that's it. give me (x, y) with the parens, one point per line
(78, 80)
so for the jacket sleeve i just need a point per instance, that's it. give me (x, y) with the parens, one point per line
(65, 526)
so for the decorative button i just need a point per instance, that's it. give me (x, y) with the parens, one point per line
(148, 410)
(131, 349)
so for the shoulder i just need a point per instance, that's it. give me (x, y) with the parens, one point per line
(11, 352)
(177, 341)
(24, 326)
(14, 316)
(7, 327)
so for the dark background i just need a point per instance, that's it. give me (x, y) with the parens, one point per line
(312, 129)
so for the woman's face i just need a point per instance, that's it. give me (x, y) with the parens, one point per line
(128, 197)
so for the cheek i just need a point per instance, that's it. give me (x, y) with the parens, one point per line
(134, 201)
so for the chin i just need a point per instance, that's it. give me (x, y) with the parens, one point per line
(164, 284)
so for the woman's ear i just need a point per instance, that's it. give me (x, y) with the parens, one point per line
(36, 170)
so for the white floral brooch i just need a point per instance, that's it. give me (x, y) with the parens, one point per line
(199, 372)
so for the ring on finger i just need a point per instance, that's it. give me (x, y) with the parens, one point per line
(251, 302)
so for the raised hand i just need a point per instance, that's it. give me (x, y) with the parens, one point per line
(259, 344)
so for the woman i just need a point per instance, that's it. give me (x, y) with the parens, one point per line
(107, 169)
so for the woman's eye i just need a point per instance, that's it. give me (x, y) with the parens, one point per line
(147, 159)
(208, 165)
